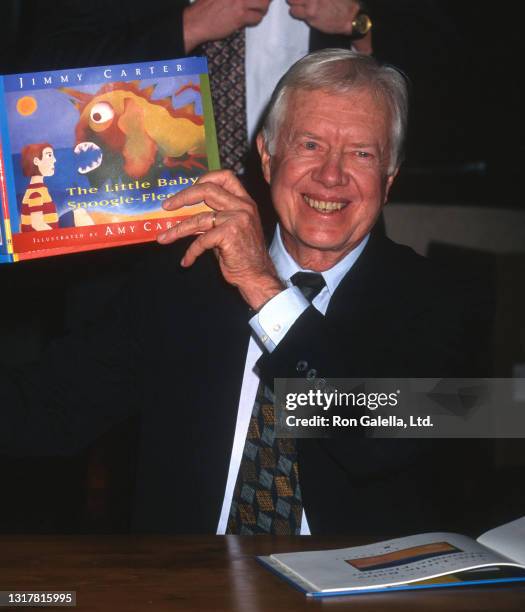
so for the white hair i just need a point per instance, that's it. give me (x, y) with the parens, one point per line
(340, 71)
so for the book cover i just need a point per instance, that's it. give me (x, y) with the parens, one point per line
(88, 155)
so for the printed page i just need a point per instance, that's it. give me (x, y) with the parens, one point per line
(509, 540)
(389, 563)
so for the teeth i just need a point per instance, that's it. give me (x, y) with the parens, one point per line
(91, 167)
(323, 205)
(82, 147)
(86, 146)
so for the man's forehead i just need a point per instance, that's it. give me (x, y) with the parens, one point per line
(308, 109)
(362, 96)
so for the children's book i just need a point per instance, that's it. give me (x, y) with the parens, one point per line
(88, 155)
(429, 560)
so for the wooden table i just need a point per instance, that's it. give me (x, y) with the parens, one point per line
(205, 573)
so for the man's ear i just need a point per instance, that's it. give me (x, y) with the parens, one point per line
(265, 156)
(389, 182)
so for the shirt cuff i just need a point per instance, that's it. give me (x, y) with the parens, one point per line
(275, 318)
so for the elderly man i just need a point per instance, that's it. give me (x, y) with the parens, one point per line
(178, 347)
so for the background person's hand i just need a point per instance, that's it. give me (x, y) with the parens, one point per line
(331, 17)
(206, 20)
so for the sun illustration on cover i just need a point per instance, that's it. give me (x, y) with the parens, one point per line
(26, 105)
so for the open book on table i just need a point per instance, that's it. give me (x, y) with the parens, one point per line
(421, 561)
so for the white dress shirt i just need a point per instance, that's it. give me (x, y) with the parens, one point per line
(270, 325)
(272, 46)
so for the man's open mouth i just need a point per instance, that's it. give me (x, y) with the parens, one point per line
(326, 206)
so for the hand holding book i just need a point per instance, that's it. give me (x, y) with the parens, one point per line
(233, 231)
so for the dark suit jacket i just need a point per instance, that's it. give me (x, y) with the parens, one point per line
(72, 33)
(173, 348)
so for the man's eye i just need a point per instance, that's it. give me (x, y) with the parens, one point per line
(363, 154)
(310, 145)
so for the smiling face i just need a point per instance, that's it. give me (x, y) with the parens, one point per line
(328, 173)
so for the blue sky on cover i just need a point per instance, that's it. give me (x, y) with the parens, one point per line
(55, 118)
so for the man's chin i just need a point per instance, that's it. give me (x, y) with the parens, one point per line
(317, 253)
(326, 243)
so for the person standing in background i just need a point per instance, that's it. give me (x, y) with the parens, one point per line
(250, 44)
(421, 37)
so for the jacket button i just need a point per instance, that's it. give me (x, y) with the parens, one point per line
(311, 374)
(301, 366)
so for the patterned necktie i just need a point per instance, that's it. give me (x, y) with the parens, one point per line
(228, 88)
(267, 495)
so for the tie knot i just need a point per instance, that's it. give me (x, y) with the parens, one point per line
(310, 283)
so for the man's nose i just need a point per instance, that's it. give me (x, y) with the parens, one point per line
(331, 171)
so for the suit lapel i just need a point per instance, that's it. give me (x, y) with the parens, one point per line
(367, 278)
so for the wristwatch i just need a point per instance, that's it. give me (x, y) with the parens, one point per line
(361, 25)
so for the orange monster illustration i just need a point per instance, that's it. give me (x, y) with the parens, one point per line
(121, 121)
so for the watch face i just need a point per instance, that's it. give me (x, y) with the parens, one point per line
(361, 24)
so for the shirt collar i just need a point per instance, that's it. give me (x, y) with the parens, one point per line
(286, 265)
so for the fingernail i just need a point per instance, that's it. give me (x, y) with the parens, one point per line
(161, 237)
